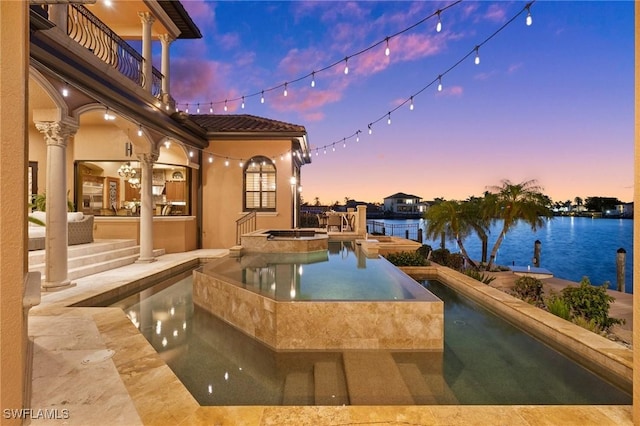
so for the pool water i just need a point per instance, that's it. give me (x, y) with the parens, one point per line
(486, 360)
(321, 275)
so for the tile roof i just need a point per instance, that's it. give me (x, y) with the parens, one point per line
(402, 195)
(244, 123)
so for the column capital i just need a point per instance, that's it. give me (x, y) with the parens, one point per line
(147, 17)
(56, 132)
(166, 39)
(148, 158)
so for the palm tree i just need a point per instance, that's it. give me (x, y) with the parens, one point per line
(479, 212)
(515, 202)
(449, 218)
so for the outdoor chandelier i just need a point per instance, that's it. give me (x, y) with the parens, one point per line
(134, 182)
(126, 171)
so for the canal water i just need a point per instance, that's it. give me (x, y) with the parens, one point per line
(572, 247)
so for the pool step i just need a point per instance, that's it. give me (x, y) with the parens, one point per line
(330, 387)
(373, 378)
(298, 389)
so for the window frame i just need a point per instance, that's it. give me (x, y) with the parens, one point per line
(261, 162)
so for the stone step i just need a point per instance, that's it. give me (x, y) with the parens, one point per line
(373, 378)
(38, 256)
(418, 386)
(330, 387)
(298, 389)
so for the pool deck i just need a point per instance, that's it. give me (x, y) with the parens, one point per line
(135, 387)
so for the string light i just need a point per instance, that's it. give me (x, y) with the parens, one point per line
(411, 104)
(440, 83)
(439, 24)
(529, 19)
(345, 60)
(344, 142)
(65, 90)
(262, 97)
(211, 108)
(225, 106)
(285, 90)
(198, 109)
(370, 129)
(210, 158)
(187, 109)
(242, 106)
(389, 118)
(226, 162)
(139, 129)
(477, 60)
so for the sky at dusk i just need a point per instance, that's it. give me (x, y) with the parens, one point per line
(553, 101)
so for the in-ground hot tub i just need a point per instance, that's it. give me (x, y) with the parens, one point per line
(336, 299)
(284, 241)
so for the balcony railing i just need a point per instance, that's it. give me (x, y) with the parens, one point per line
(87, 30)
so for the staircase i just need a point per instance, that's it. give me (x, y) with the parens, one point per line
(365, 378)
(89, 259)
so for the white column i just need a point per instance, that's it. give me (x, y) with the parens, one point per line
(165, 68)
(146, 206)
(147, 66)
(56, 136)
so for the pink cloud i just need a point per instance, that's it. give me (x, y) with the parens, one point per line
(495, 13)
(513, 68)
(229, 41)
(452, 91)
(200, 81)
(201, 11)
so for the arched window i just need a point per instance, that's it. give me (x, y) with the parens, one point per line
(260, 185)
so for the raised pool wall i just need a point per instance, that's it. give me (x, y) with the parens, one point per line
(323, 325)
(283, 241)
(609, 359)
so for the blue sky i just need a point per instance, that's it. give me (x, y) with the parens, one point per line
(553, 101)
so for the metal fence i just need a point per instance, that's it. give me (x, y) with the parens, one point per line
(410, 231)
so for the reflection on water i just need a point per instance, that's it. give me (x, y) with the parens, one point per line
(572, 247)
(485, 361)
(343, 272)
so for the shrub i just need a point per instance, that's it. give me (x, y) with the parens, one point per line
(590, 303)
(529, 289)
(445, 258)
(424, 250)
(407, 258)
(588, 324)
(476, 275)
(559, 307)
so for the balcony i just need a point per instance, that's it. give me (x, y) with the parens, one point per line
(91, 33)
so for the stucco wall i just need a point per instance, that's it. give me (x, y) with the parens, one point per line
(223, 190)
(14, 58)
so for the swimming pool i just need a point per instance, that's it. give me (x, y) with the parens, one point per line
(336, 299)
(485, 360)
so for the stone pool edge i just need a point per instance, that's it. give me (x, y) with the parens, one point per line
(602, 355)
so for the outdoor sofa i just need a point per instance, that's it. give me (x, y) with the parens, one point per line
(80, 229)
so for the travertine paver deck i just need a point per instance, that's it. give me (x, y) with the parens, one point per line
(136, 387)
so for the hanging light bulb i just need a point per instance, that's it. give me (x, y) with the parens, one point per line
(210, 158)
(226, 162)
(358, 136)
(167, 144)
(65, 90)
(325, 150)
(313, 79)
(529, 19)
(198, 109)
(225, 106)
(333, 147)
(346, 65)
(411, 104)
(387, 52)
(241, 164)
(262, 97)
(211, 108)
(389, 118)
(139, 129)
(186, 110)
(285, 90)
(370, 129)
(191, 154)
(344, 142)
(439, 24)
(242, 105)
(477, 60)
(316, 152)
(439, 83)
